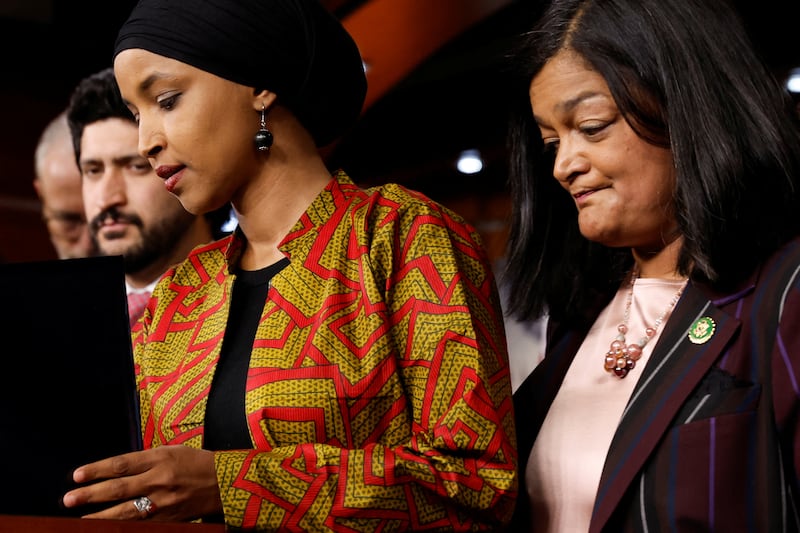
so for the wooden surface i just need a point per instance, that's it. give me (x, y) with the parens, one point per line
(31, 524)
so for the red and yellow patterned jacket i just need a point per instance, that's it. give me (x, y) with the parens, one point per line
(378, 395)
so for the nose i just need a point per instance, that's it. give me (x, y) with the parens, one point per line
(569, 162)
(151, 141)
(112, 189)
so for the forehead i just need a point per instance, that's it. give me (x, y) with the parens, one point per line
(132, 59)
(141, 74)
(109, 137)
(62, 189)
(58, 162)
(58, 173)
(136, 70)
(564, 77)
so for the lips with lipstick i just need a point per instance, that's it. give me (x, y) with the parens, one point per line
(171, 174)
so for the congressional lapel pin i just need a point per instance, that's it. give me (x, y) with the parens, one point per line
(702, 330)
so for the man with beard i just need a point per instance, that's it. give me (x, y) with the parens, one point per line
(129, 211)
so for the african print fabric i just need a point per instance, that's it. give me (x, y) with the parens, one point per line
(378, 396)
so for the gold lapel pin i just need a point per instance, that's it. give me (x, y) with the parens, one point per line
(702, 330)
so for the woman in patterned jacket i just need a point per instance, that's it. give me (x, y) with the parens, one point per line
(339, 362)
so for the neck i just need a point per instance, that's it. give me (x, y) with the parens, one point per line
(285, 199)
(662, 264)
(292, 176)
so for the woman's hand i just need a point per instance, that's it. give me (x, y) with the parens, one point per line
(180, 482)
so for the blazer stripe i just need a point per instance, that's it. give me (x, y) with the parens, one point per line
(641, 387)
(653, 402)
(710, 439)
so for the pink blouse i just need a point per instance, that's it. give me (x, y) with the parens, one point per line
(566, 461)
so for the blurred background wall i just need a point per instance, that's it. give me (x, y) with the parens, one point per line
(436, 91)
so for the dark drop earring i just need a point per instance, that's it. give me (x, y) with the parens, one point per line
(263, 138)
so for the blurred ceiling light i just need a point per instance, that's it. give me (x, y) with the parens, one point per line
(469, 162)
(793, 82)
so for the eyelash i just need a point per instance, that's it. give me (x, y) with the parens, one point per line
(550, 148)
(169, 102)
(89, 172)
(594, 129)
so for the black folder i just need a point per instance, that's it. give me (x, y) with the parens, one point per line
(68, 394)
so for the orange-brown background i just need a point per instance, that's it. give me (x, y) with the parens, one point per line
(436, 87)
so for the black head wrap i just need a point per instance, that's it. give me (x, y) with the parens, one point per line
(294, 48)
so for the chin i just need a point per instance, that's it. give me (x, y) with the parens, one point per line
(114, 249)
(598, 236)
(190, 206)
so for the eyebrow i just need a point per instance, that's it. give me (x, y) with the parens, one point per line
(147, 83)
(122, 160)
(569, 105)
(150, 80)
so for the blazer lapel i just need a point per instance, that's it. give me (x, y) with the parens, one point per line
(674, 369)
(534, 396)
(532, 400)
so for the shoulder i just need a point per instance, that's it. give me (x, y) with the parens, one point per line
(783, 269)
(402, 197)
(782, 266)
(396, 202)
(389, 201)
(776, 282)
(384, 208)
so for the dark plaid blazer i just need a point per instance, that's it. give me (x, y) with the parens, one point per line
(709, 440)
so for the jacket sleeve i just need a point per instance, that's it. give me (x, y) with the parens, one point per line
(444, 458)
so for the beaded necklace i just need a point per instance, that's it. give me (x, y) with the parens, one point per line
(621, 357)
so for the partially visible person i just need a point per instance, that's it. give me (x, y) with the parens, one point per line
(57, 182)
(526, 345)
(129, 211)
(338, 363)
(525, 337)
(656, 221)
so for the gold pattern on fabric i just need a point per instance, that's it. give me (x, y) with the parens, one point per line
(378, 395)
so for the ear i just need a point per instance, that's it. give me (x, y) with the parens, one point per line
(263, 99)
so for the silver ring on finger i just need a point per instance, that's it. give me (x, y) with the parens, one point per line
(144, 506)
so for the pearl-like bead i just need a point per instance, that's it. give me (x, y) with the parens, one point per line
(634, 351)
(622, 357)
